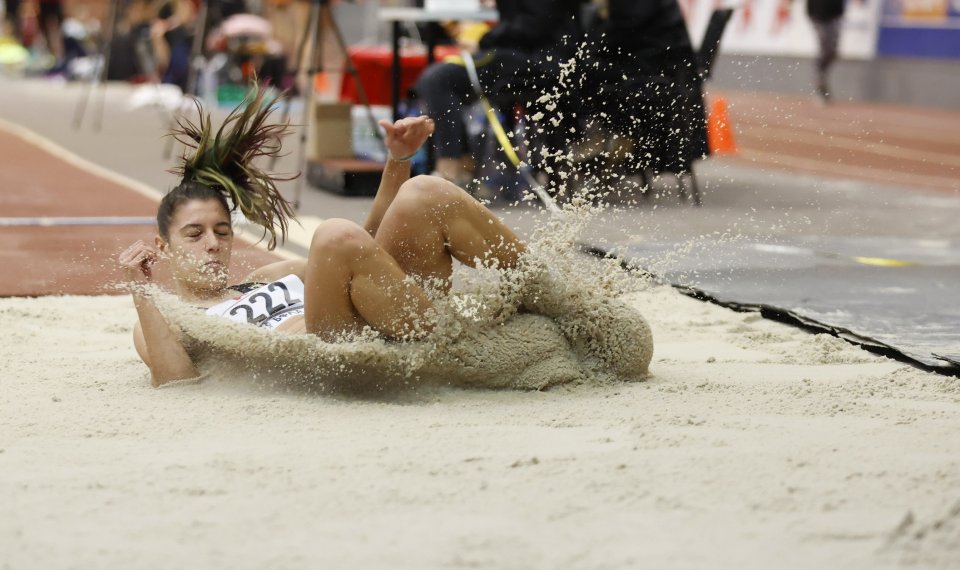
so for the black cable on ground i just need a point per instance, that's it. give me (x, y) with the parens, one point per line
(951, 368)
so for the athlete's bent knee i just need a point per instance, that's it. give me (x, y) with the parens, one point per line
(340, 236)
(422, 192)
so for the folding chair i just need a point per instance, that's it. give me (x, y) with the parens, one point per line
(706, 57)
(711, 40)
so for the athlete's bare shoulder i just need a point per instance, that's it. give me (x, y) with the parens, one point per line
(277, 270)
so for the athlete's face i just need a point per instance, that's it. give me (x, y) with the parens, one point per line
(201, 239)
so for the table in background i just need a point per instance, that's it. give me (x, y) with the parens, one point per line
(398, 15)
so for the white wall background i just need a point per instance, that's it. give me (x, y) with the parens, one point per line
(759, 27)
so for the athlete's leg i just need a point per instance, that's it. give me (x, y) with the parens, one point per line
(350, 282)
(432, 221)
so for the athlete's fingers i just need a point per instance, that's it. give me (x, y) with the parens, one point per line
(388, 127)
(429, 125)
(135, 246)
(130, 254)
(138, 254)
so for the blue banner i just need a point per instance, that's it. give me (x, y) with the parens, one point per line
(920, 28)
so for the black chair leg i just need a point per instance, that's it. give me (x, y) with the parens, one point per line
(694, 187)
(681, 187)
(645, 190)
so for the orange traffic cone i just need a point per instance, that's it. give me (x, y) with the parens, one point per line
(719, 130)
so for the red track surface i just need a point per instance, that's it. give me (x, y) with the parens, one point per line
(76, 260)
(904, 146)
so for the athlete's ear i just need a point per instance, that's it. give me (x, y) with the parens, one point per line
(160, 243)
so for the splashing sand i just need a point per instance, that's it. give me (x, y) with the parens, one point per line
(733, 453)
(539, 325)
(554, 319)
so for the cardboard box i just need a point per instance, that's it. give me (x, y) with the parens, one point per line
(330, 134)
(345, 177)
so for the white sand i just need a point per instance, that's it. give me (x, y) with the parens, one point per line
(753, 445)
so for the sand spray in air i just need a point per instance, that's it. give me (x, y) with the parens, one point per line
(554, 319)
(557, 318)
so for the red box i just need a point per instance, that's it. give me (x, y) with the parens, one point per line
(374, 66)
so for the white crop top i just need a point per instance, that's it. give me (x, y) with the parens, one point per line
(265, 305)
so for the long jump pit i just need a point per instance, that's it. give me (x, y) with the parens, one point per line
(751, 444)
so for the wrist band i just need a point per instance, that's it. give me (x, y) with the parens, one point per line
(406, 158)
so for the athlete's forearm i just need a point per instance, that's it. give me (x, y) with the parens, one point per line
(168, 360)
(395, 173)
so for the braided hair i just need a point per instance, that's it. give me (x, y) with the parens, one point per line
(220, 166)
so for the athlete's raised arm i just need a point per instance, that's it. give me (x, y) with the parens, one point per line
(402, 138)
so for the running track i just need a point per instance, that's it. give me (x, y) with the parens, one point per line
(913, 148)
(887, 144)
(72, 256)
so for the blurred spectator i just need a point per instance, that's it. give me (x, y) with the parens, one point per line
(826, 16)
(50, 20)
(641, 83)
(11, 15)
(172, 37)
(519, 56)
(249, 42)
(76, 39)
(287, 19)
(131, 48)
(220, 10)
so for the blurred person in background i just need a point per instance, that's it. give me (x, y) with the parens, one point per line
(287, 18)
(50, 22)
(11, 15)
(171, 35)
(642, 89)
(827, 17)
(254, 50)
(520, 55)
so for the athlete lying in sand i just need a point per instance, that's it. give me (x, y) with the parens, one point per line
(353, 276)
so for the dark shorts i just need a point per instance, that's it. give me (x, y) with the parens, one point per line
(50, 10)
(12, 11)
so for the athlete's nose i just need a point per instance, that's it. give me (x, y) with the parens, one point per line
(212, 244)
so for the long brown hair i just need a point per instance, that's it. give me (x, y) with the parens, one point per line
(221, 166)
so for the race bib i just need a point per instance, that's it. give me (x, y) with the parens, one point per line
(266, 305)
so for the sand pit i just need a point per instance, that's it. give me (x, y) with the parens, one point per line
(752, 445)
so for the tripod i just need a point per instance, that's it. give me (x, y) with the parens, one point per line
(313, 31)
(100, 76)
(196, 50)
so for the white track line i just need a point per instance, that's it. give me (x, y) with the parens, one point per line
(115, 177)
(51, 221)
(849, 143)
(888, 122)
(83, 164)
(847, 171)
(854, 129)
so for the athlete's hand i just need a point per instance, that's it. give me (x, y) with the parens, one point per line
(405, 136)
(137, 261)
